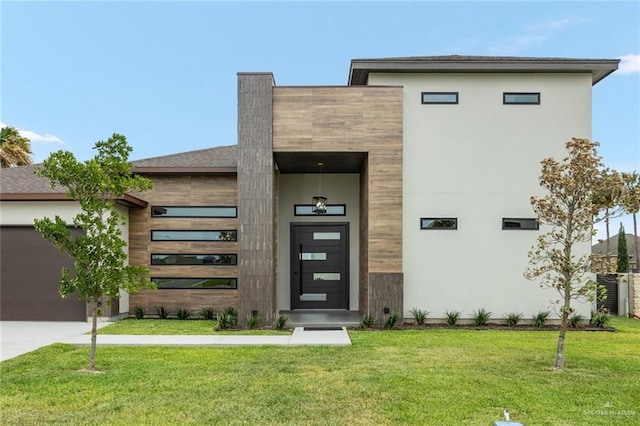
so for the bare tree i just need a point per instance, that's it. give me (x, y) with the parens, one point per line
(568, 210)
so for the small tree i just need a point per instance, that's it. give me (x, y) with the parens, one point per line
(99, 255)
(623, 256)
(568, 209)
(631, 204)
(606, 200)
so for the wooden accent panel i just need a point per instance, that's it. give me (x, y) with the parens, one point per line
(256, 197)
(386, 291)
(193, 300)
(362, 119)
(183, 191)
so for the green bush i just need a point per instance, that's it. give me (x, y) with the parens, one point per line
(481, 317)
(576, 320)
(419, 316)
(183, 314)
(139, 312)
(162, 312)
(253, 321)
(600, 319)
(540, 319)
(368, 321)
(208, 313)
(452, 317)
(280, 322)
(392, 320)
(512, 319)
(226, 320)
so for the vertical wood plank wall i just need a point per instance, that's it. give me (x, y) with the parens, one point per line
(358, 119)
(256, 197)
(183, 191)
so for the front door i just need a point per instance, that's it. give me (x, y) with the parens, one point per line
(320, 266)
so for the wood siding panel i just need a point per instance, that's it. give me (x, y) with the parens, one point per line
(183, 191)
(342, 119)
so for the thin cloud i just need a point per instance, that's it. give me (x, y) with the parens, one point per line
(629, 64)
(36, 137)
(533, 35)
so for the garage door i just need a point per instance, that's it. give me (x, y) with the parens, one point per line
(30, 278)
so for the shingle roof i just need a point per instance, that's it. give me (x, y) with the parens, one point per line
(221, 156)
(22, 179)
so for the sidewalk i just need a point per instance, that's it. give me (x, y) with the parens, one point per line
(300, 336)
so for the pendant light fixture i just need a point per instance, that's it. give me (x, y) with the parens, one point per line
(319, 201)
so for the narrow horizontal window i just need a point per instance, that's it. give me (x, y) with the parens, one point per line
(193, 211)
(158, 235)
(439, 97)
(332, 210)
(439, 223)
(194, 259)
(526, 223)
(326, 276)
(196, 283)
(521, 98)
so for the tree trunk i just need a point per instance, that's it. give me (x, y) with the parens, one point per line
(559, 365)
(607, 248)
(94, 333)
(635, 242)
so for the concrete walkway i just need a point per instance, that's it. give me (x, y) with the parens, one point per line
(20, 337)
(300, 336)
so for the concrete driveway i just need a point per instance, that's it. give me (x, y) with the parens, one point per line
(20, 337)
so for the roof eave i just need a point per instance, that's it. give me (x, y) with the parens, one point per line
(185, 170)
(126, 200)
(598, 68)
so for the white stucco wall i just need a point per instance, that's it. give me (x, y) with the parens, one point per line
(479, 161)
(22, 213)
(299, 189)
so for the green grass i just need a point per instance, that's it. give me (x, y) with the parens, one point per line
(167, 326)
(422, 377)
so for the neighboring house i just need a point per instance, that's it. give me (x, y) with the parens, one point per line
(425, 165)
(601, 248)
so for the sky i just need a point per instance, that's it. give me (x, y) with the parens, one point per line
(164, 74)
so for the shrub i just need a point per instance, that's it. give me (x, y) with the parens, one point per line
(139, 312)
(600, 319)
(183, 314)
(253, 321)
(452, 317)
(419, 316)
(512, 319)
(575, 320)
(162, 312)
(540, 319)
(392, 320)
(226, 320)
(208, 313)
(368, 321)
(481, 317)
(280, 322)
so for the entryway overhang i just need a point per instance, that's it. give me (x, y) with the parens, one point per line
(307, 162)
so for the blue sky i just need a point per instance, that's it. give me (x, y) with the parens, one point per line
(164, 73)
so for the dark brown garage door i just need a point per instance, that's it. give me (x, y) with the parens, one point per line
(30, 278)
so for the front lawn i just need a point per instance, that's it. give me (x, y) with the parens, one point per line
(173, 326)
(423, 377)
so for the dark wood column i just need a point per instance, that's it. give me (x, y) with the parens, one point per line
(256, 198)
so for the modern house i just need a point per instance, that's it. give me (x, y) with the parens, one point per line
(407, 188)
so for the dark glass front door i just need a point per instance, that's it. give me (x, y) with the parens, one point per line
(319, 266)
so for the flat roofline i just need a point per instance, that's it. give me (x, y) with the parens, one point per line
(361, 68)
